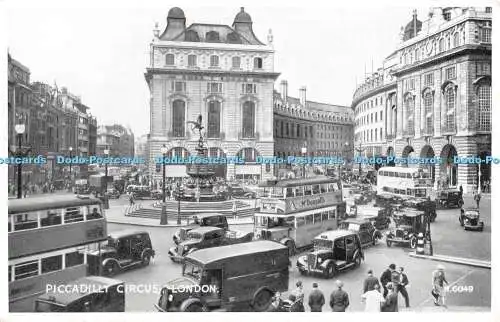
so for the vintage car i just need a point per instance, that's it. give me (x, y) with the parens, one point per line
(378, 216)
(95, 294)
(469, 218)
(207, 237)
(449, 199)
(227, 278)
(367, 233)
(123, 250)
(409, 223)
(334, 251)
(422, 205)
(201, 220)
(113, 194)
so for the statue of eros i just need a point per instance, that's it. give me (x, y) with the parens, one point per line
(198, 126)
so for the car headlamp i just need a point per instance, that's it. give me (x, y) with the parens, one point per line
(170, 298)
(406, 233)
(319, 260)
(186, 248)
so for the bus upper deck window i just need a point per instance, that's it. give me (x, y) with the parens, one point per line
(26, 221)
(307, 190)
(289, 192)
(323, 188)
(315, 189)
(299, 191)
(50, 218)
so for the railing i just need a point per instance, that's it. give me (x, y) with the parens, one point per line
(132, 208)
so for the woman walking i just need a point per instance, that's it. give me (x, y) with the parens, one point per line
(438, 286)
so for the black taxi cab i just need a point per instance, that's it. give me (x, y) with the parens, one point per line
(87, 294)
(334, 251)
(122, 250)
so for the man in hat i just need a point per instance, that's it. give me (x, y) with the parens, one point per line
(370, 282)
(391, 300)
(402, 286)
(387, 277)
(299, 296)
(339, 300)
(316, 299)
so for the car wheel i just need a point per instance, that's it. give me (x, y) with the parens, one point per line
(262, 301)
(330, 271)
(357, 261)
(195, 307)
(413, 243)
(375, 240)
(146, 259)
(291, 248)
(111, 269)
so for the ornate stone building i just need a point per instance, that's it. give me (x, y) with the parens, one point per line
(226, 74)
(436, 95)
(318, 129)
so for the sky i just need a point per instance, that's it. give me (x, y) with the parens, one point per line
(100, 52)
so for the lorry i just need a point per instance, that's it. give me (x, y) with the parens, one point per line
(228, 278)
(207, 237)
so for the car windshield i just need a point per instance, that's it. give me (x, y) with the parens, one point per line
(471, 213)
(403, 221)
(322, 244)
(42, 306)
(192, 270)
(112, 243)
(194, 235)
(353, 227)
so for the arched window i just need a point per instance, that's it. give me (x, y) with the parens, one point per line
(214, 61)
(170, 59)
(236, 62)
(257, 63)
(484, 93)
(450, 99)
(212, 36)
(178, 117)
(248, 129)
(456, 39)
(213, 130)
(409, 111)
(441, 45)
(428, 113)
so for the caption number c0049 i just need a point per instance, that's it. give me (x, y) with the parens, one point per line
(460, 289)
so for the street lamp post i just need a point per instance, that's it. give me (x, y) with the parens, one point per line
(20, 128)
(359, 150)
(164, 216)
(180, 194)
(304, 153)
(70, 174)
(105, 197)
(345, 151)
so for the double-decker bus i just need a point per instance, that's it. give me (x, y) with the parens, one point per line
(404, 182)
(293, 212)
(48, 241)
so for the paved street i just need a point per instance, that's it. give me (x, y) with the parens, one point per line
(377, 258)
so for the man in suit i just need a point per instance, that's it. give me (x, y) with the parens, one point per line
(316, 299)
(403, 282)
(370, 282)
(387, 277)
(339, 299)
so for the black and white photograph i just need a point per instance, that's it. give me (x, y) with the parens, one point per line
(247, 157)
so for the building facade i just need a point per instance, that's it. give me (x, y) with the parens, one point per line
(118, 139)
(226, 75)
(436, 98)
(318, 129)
(51, 121)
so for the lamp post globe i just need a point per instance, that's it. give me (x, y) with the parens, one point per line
(20, 129)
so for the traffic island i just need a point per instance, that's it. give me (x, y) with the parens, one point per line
(455, 260)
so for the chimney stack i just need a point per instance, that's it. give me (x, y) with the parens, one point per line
(302, 96)
(284, 90)
(414, 23)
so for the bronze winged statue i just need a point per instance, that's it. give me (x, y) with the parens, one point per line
(198, 126)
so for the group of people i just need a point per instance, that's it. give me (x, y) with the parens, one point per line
(379, 295)
(31, 189)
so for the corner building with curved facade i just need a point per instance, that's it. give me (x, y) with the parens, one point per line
(432, 97)
(224, 73)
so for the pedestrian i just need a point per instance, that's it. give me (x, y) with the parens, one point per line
(403, 283)
(316, 299)
(299, 297)
(387, 277)
(391, 300)
(132, 202)
(370, 282)
(438, 286)
(461, 191)
(477, 197)
(373, 299)
(339, 299)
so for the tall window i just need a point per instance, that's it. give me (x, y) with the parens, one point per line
(282, 128)
(257, 63)
(236, 62)
(179, 86)
(214, 87)
(428, 105)
(441, 45)
(485, 35)
(170, 59)
(192, 60)
(484, 108)
(409, 109)
(248, 120)
(456, 39)
(429, 79)
(249, 88)
(451, 73)
(178, 118)
(450, 109)
(213, 130)
(214, 61)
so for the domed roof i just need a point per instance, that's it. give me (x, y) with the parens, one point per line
(176, 13)
(242, 16)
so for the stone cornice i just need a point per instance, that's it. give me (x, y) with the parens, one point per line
(375, 91)
(161, 71)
